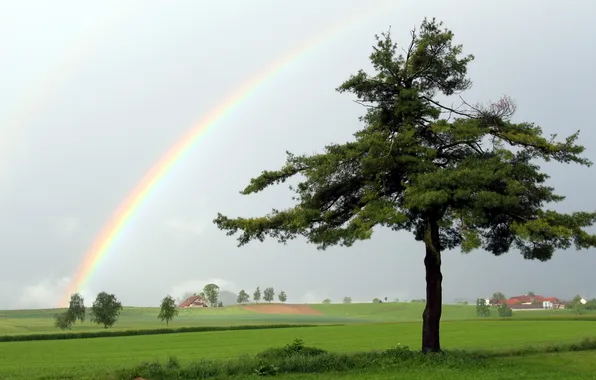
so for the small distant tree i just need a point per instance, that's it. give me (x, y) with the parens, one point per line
(268, 294)
(220, 304)
(63, 321)
(396, 300)
(211, 292)
(326, 301)
(498, 297)
(76, 308)
(531, 294)
(105, 309)
(256, 296)
(242, 297)
(167, 310)
(282, 296)
(376, 300)
(347, 300)
(482, 309)
(505, 311)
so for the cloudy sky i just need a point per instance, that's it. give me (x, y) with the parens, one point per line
(94, 93)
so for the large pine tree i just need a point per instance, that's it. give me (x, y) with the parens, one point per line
(464, 177)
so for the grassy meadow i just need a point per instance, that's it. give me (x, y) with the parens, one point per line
(25, 322)
(365, 327)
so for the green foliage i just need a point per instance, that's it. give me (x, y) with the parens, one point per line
(256, 296)
(242, 297)
(498, 296)
(591, 304)
(63, 320)
(220, 304)
(376, 300)
(167, 309)
(482, 308)
(211, 294)
(268, 294)
(297, 347)
(118, 333)
(505, 311)
(408, 164)
(105, 310)
(574, 303)
(326, 301)
(347, 300)
(282, 296)
(76, 308)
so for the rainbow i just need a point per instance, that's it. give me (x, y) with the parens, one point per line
(127, 209)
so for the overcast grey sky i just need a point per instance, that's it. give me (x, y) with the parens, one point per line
(94, 93)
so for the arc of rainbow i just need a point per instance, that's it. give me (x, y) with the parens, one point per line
(127, 209)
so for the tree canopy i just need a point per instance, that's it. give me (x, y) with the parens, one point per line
(105, 309)
(465, 176)
(211, 294)
(167, 309)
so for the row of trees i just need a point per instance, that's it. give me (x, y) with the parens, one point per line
(268, 295)
(104, 311)
(211, 294)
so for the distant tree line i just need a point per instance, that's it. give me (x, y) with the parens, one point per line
(268, 295)
(348, 300)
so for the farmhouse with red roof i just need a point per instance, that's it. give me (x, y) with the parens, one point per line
(193, 301)
(531, 302)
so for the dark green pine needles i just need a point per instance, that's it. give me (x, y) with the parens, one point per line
(456, 177)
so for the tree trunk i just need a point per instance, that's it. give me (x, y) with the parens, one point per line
(431, 318)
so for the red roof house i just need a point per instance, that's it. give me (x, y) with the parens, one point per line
(194, 301)
(533, 302)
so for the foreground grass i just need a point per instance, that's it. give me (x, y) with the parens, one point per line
(295, 360)
(81, 358)
(563, 366)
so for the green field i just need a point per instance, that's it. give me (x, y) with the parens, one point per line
(366, 327)
(24, 322)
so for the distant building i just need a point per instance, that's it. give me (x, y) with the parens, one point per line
(531, 302)
(194, 301)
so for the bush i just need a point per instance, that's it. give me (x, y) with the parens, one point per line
(295, 348)
(298, 358)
